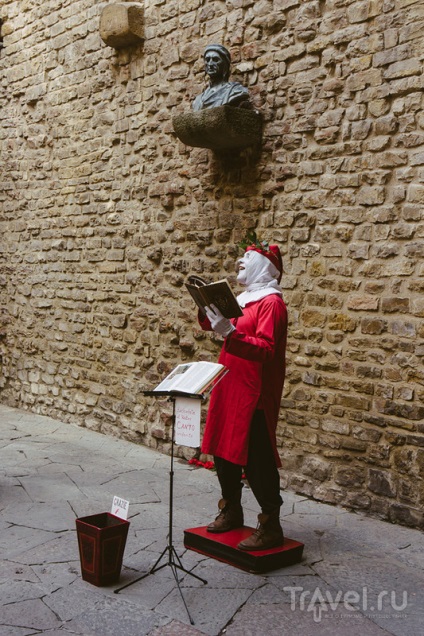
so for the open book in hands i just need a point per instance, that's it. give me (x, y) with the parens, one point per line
(218, 294)
(193, 378)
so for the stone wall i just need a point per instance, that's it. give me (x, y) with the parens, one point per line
(104, 213)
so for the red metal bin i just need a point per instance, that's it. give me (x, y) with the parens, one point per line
(101, 542)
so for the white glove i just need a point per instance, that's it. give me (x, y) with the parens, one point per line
(219, 323)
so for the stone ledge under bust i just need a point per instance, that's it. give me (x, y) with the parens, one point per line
(220, 128)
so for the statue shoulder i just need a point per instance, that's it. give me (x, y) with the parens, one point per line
(236, 86)
(226, 93)
(237, 93)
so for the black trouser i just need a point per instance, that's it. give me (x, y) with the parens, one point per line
(261, 469)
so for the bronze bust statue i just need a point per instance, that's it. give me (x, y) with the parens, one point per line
(220, 91)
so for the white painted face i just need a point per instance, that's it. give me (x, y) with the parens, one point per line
(255, 268)
(245, 265)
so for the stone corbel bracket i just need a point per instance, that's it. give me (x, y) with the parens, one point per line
(122, 24)
(221, 128)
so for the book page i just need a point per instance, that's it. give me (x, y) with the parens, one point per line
(197, 377)
(174, 377)
(191, 377)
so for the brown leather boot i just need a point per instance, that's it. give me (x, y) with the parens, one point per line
(230, 517)
(268, 534)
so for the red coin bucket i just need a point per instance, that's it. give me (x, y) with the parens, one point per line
(101, 542)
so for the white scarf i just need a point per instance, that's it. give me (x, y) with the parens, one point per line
(260, 279)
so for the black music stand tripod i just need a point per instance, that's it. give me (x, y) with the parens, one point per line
(169, 552)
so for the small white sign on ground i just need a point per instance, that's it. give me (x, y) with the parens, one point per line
(120, 507)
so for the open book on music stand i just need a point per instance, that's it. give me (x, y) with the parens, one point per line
(192, 380)
(195, 379)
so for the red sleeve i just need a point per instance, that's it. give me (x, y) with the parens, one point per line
(270, 327)
(203, 321)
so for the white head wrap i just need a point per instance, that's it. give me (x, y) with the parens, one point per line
(260, 277)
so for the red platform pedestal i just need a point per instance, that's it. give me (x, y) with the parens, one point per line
(223, 547)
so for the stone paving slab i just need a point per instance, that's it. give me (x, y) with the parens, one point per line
(51, 473)
(281, 619)
(33, 516)
(10, 571)
(210, 608)
(113, 616)
(176, 628)
(57, 576)
(29, 614)
(17, 539)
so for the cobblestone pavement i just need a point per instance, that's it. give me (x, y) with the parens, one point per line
(358, 575)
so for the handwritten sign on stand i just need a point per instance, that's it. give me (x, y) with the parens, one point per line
(120, 508)
(187, 422)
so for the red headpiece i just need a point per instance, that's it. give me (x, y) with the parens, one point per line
(272, 254)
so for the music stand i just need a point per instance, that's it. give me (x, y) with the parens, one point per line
(173, 559)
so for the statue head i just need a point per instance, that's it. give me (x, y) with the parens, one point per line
(220, 91)
(217, 62)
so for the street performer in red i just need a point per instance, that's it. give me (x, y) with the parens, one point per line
(244, 406)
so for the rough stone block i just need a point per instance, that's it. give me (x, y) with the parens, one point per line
(350, 476)
(416, 193)
(342, 322)
(316, 468)
(418, 307)
(122, 24)
(381, 483)
(403, 68)
(371, 195)
(395, 54)
(395, 304)
(335, 426)
(358, 11)
(363, 303)
(408, 516)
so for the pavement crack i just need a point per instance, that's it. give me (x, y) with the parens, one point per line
(315, 562)
(72, 508)
(19, 437)
(51, 610)
(121, 474)
(27, 493)
(239, 609)
(14, 626)
(73, 481)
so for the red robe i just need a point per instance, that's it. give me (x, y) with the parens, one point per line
(255, 357)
